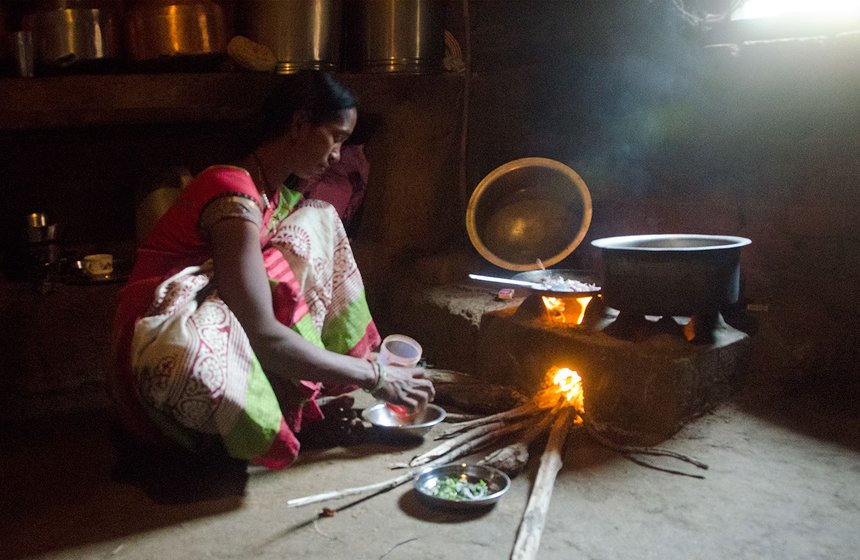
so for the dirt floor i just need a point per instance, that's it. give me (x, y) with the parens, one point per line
(783, 483)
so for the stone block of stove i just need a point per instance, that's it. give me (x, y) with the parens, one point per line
(445, 319)
(644, 390)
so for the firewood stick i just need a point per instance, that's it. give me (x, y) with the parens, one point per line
(456, 417)
(385, 485)
(440, 376)
(536, 429)
(377, 488)
(496, 429)
(524, 410)
(493, 431)
(343, 493)
(455, 442)
(461, 451)
(478, 398)
(510, 459)
(477, 443)
(534, 518)
(513, 457)
(655, 451)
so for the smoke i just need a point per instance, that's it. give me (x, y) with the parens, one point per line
(635, 95)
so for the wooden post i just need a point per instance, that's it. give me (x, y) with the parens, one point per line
(534, 517)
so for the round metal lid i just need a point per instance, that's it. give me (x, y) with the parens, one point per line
(528, 209)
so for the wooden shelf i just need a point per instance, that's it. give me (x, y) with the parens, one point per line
(90, 100)
(120, 99)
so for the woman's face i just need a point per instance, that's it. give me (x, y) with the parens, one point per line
(319, 145)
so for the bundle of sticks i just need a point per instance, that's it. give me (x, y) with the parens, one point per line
(510, 433)
(516, 428)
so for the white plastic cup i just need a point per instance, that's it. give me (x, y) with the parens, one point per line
(98, 266)
(399, 350)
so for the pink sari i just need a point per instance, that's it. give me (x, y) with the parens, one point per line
(186, 372)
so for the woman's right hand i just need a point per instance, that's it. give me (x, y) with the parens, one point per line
(407, 387)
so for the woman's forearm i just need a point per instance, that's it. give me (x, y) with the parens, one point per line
(287, 355)
(244, 287)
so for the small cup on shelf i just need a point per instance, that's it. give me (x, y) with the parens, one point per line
(98, 266)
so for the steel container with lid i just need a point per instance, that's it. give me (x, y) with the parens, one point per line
(163, 29)
(65, 34)
(400, 36)
(303, 34)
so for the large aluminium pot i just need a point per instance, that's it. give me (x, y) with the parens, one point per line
(162, 29)
(670, 274)
(74, 32)
(401, 36)
(303, 34)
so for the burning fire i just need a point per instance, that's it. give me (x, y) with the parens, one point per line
(563, 387)
(558, 311)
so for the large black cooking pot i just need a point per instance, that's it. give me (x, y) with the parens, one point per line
(670, 274)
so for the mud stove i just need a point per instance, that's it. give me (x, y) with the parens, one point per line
(666, 358)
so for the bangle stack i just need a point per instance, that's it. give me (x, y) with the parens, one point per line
(381, 377)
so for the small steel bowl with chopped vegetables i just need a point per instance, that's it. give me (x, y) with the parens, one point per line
(461, 486)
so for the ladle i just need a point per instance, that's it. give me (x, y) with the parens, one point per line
(532, 285)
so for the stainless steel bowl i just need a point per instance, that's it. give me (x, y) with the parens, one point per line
(528, 209)
(427, 481)
(392, 423)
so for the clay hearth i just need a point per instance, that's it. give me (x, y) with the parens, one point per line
(644, 389)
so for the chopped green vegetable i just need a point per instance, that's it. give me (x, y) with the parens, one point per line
(459, 488)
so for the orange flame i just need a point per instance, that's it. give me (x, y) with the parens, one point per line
(555, 308)
(563, 387)
(583, 303)
(558, 310)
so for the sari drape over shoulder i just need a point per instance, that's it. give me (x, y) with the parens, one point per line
(186, 372)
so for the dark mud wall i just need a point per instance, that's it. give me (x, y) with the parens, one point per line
(671, 135)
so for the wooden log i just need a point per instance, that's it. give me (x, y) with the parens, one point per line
(478, 443)
(514, 457)
(385, 485)
(443, 376)
(630, 450)
(510, 459)
(456, 417)
(377, 487)
(453, 443)
(534, 518)
(477, 398)
(472, 395)
(524, 410)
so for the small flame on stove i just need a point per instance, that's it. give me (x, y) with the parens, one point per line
(563, 388)
(557, 309)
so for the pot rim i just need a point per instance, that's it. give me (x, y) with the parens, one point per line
(577, 184)
(633, 242)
